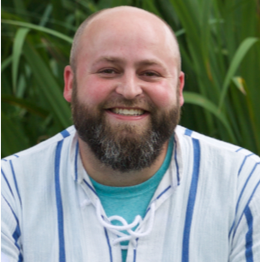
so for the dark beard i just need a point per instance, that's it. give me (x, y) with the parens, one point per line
(120, 147)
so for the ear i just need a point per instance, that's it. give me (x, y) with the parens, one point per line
(181, 86)
(68, 83)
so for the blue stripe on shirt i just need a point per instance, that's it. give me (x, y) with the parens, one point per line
(15, 182)
(20, 258)
(188, 132)
(243, 163)
(191, 201)
(90, 187)
(231, 229)
(7, 182)
(76, 161)
(16, 235)
(176, 163)
(233, 225)
(163, 192)
(11, 210)
(62, 257)
(134, 255)
(247, 205)
(243, 189)
(17, 232)
(249, 235)
(65, 133)
(109, 246)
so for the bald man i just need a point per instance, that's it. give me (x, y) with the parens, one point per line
(125, 183)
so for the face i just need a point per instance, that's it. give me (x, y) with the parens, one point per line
(126, 91)
(119, 146)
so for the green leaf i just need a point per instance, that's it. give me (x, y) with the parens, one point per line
(19, 6)
(17, 50)
(149, 6)
(13, 139)
(46, 15)
(40, 29)
(6, 62)
(48, 86)
(238, 57)
(180, 32)
(22, 103)
(240, 84)
(197, 99)
(120, 2)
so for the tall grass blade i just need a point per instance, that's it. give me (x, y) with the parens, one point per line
(13, 139)
(238, 57)
(48, 86)
(19, 6)
(46, 15)
(23, 103)
(40, 29)
(17, 50)
(6, 63)
(149, 6)
(197, 99)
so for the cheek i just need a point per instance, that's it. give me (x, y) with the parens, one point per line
(93, 91)
(162, 96)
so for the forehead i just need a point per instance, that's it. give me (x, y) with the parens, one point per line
(127, 31)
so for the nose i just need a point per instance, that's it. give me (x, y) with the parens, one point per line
(129, 86)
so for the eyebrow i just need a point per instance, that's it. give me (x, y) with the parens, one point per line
(116, 60)
(149, 62)
(110, 59)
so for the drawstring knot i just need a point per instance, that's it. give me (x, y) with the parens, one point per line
(117, 230)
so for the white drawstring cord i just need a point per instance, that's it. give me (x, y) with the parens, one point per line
(138, 233)
(128, 227)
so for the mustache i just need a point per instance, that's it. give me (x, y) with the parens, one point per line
(142, 103)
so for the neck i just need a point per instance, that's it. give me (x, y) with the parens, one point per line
(107, 176)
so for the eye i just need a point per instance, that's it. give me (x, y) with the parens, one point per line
(108, 71)
(150, 73)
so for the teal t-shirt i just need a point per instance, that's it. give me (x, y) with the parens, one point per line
(128, 202)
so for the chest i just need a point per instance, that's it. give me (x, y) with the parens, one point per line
(184, 225)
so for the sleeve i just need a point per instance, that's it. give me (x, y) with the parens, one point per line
(246, 233)
(11, 250)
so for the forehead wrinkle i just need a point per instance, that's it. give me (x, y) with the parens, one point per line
(110, 59)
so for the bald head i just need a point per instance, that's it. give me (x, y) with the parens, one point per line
(121, 19)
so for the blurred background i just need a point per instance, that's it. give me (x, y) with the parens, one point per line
(220, 48)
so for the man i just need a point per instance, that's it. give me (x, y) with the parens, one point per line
(127, 184)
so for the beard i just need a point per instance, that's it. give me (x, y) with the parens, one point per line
(120, 146)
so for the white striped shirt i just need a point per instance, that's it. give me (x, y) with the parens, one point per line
(205, 209)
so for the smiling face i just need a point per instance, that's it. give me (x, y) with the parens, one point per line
(127, 83)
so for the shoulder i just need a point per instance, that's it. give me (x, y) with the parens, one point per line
(41, 147)
(32, 171)
(225, 163)
(218, 147)
(36, 158)
(37, 154)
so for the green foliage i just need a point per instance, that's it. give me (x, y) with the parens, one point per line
(219, 42)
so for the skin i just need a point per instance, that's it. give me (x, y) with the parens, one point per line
(129, 53)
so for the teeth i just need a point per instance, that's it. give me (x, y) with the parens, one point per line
(128, 112)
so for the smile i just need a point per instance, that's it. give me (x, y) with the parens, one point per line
(128, 112)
